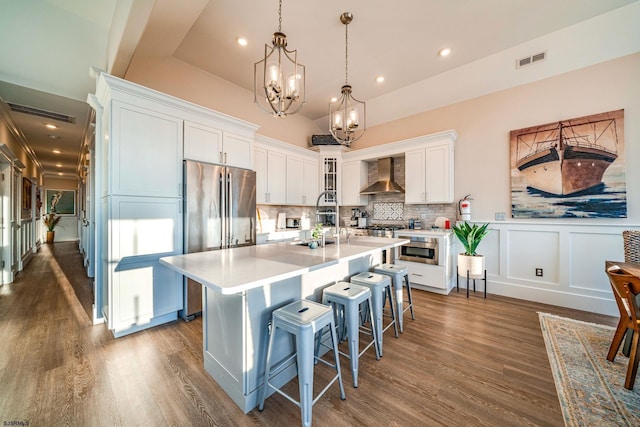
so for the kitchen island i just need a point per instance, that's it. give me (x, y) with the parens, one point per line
(243, 286)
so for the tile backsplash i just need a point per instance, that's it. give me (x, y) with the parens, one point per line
(388, 211)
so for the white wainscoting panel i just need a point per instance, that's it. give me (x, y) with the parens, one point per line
(531, 249)
(587, 274)
(571, 255)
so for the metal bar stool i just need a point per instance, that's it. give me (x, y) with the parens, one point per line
(380, 286)
(400, 276)
(303, 319)
(346, 298)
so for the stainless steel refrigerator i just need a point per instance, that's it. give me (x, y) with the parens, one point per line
(220, 213)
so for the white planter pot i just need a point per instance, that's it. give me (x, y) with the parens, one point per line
(473, 264)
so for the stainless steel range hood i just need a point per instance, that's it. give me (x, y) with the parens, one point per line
(385, 183)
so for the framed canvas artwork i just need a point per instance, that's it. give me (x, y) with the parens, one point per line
(26, 194)
(61, 202)
(573, 168)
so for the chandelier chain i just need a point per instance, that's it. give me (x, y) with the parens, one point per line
(346, 54)
(280, 17)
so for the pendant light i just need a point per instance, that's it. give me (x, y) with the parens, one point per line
(347, 115)
(278, 79)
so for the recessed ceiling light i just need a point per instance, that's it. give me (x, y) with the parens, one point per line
(54, 137)
(60, 173)
(334, 99)
(242, 41)
(380, 79)
(50, 126)
(57, 151)
(59, 165)
(445, 51)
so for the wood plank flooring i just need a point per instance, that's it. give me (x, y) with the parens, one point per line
(462, 362)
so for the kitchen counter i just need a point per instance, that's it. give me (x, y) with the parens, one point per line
(236, 270)
(242, 288)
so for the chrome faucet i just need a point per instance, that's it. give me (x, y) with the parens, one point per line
(335, 199)
(346, 232)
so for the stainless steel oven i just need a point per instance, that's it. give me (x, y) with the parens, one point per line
(420, 249)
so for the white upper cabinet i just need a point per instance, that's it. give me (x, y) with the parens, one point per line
(202, 143)
(310, 186)
(146, 152)
(208, 144)
(237, 150)
(354, 179)
(270, 167)
(302, 181)
(295, 180)
(285, 174)
(429, 173)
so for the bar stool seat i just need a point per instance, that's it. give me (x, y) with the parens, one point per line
(346, 298)
(302, 319)
(400, 278)
(380, 286)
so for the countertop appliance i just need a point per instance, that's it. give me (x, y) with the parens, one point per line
(422, 249)
(293, 222)
(220, 213)
(383, 230)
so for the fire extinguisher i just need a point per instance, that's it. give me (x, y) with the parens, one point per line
(464, 208)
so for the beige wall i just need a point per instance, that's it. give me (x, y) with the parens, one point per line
(482, 161)
(10, 140)
(483, 124)
(177, 78)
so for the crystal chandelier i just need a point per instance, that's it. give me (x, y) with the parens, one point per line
(347, 115)
(278, 79)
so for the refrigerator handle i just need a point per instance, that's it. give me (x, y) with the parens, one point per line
(229, 210)
(222, 210)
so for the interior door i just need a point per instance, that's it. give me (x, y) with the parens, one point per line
(16, 200)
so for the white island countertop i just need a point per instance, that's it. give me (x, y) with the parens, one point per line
(232, 271)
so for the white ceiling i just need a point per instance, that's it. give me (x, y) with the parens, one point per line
(47, 46)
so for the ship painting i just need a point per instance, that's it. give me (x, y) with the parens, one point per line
(564, 164)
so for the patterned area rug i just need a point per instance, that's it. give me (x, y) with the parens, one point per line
(590, 388)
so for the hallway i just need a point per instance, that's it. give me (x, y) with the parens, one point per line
(56, 368)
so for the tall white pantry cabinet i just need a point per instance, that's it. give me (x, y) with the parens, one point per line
(141, 142)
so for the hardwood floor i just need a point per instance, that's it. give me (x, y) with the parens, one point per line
(462, 362)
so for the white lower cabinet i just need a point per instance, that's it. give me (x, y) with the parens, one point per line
(433, 276)
(144, 293)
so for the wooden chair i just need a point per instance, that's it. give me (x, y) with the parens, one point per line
(626, 287)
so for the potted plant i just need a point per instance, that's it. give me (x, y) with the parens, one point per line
(316, 236)
(51, 221)
(470, 236)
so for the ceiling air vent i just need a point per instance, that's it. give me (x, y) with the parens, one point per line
(528, 60)
(41, 113)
